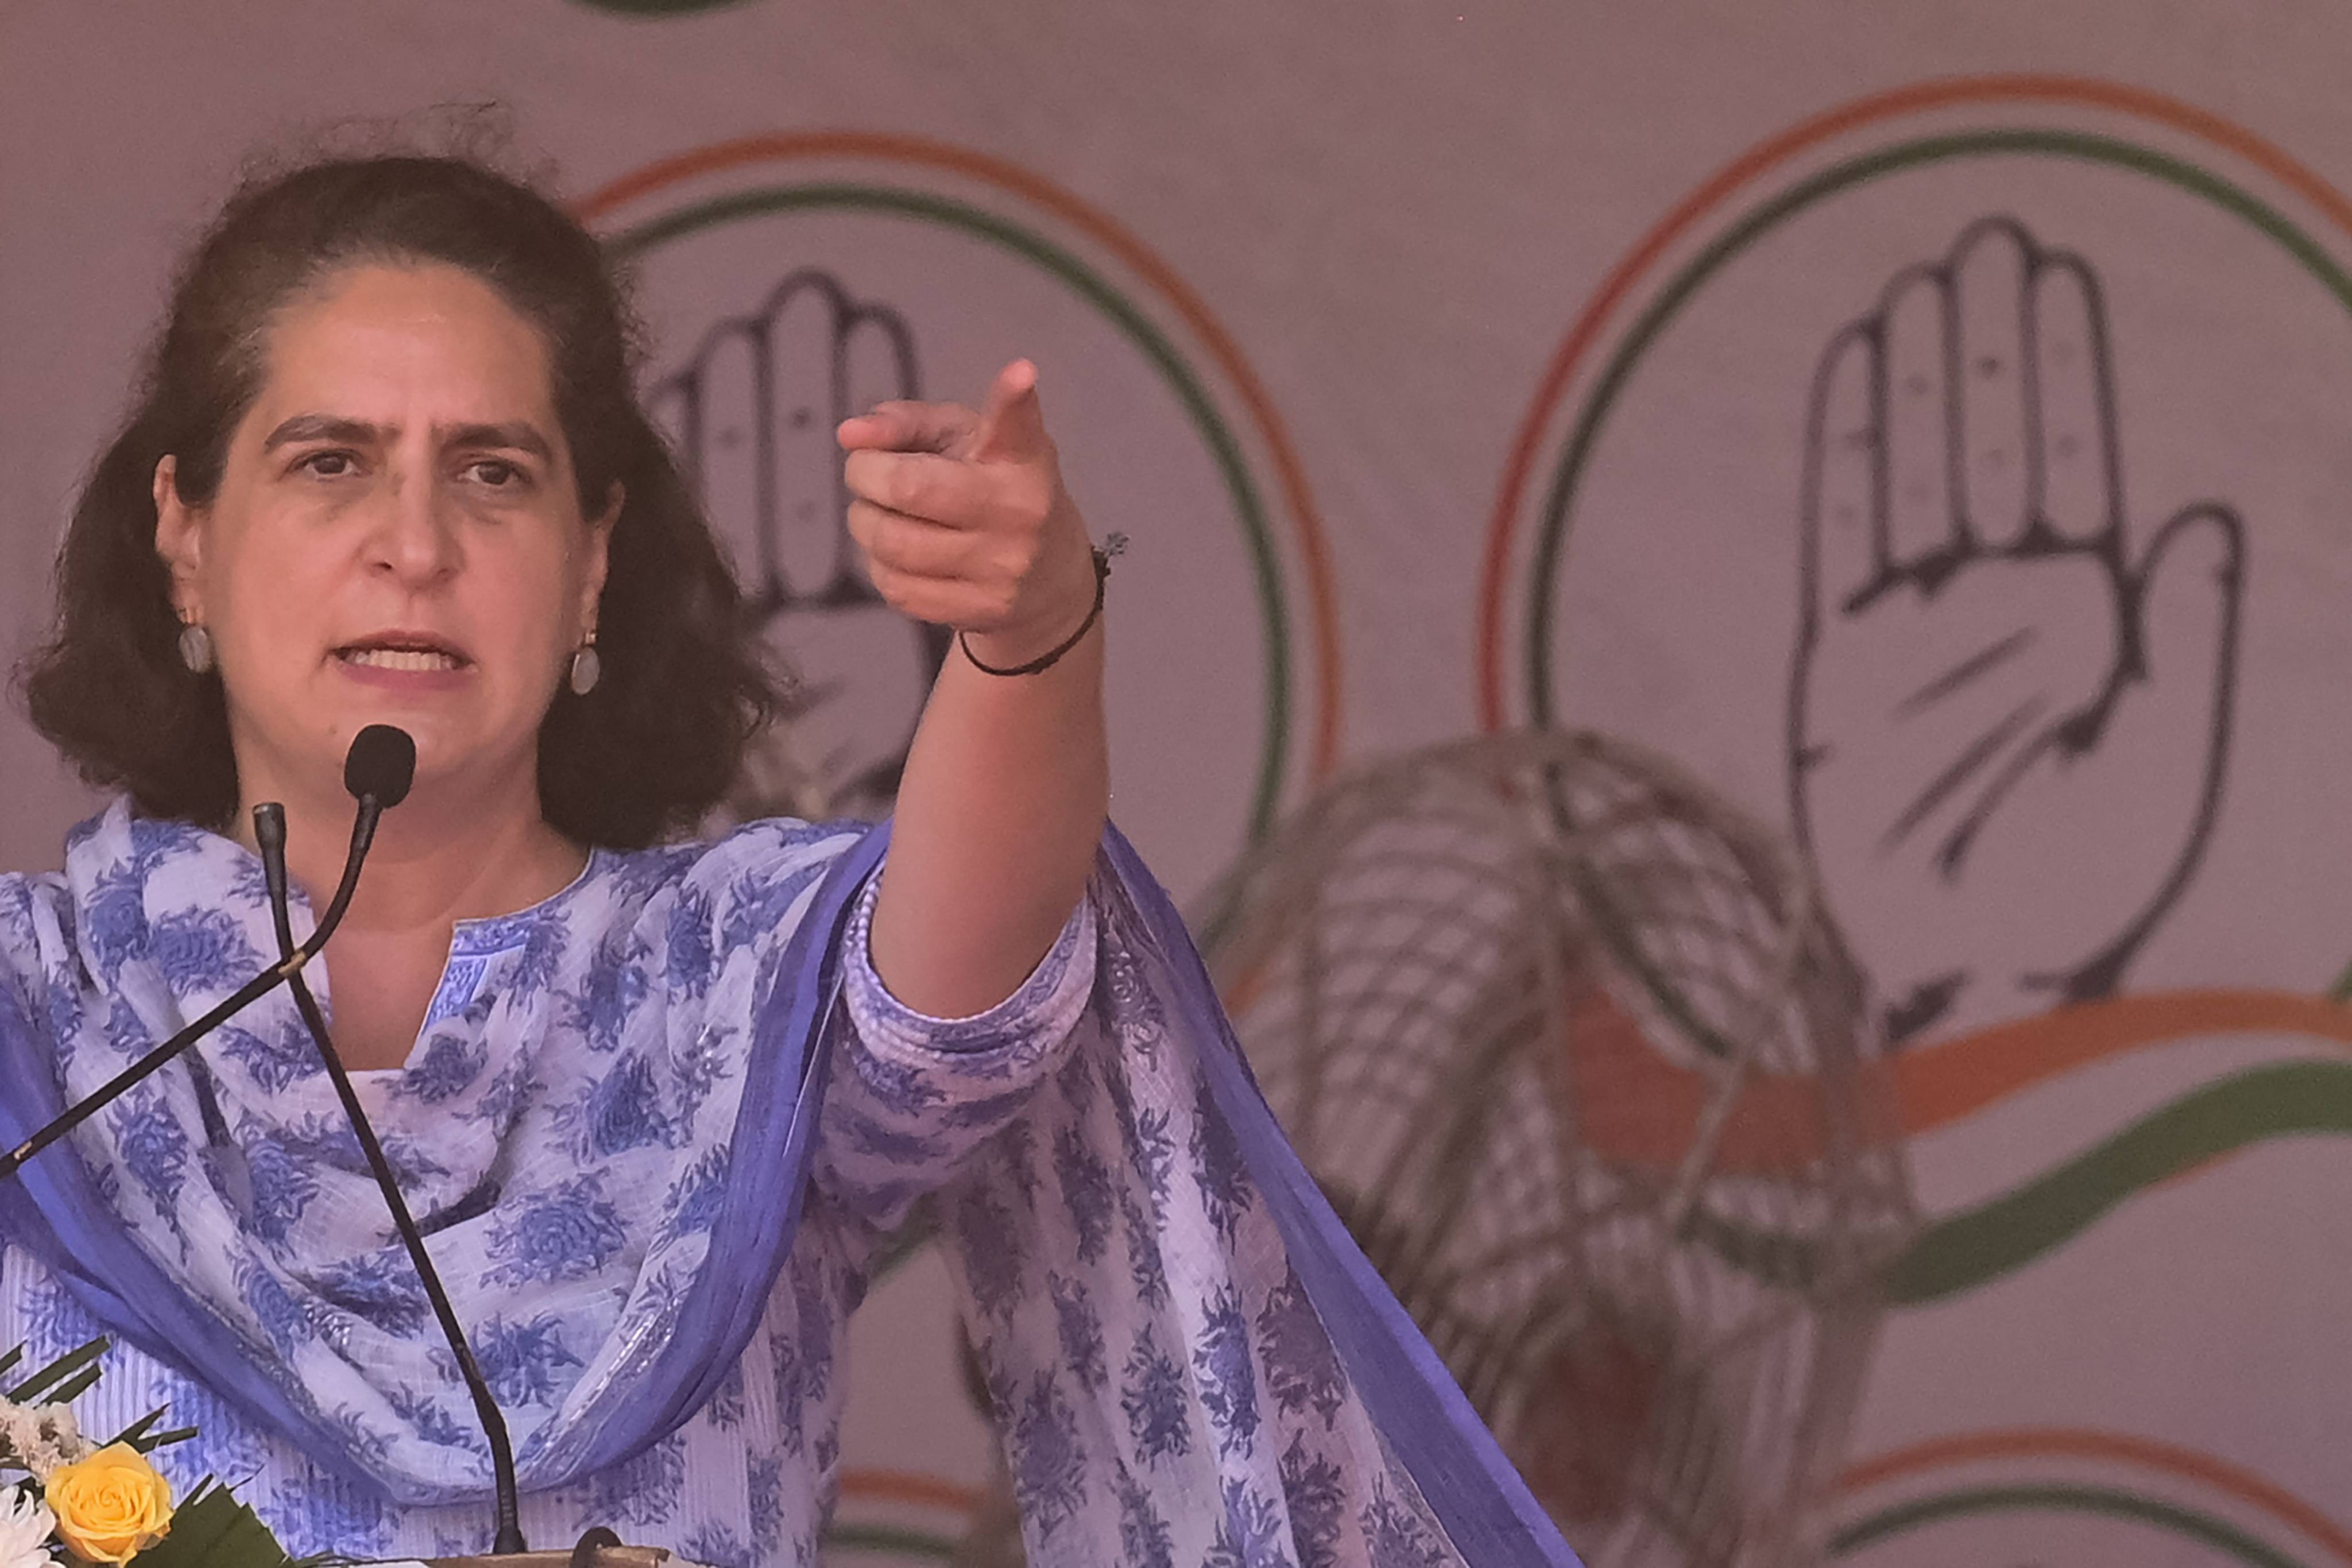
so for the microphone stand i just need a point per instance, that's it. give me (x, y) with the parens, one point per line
(269, 832)
(377, 773)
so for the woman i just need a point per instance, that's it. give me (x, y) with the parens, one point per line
(653, 1102)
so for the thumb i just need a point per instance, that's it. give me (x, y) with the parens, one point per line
(2190, 584)
(1012, 423)
(2163, 754)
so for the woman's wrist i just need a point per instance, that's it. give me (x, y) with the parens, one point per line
(1031, 645)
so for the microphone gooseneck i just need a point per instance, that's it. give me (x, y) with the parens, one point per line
(384, 761)
(378, 771)
(123, 1082)
(269, 834)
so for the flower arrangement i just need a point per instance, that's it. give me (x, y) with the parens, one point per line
(81, 1504)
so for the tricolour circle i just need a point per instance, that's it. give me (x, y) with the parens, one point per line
(791, 280)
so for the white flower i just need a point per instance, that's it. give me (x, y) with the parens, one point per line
(40, 1437)
(26, 1527)
(15, 1431)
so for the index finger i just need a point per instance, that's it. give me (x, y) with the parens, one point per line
(908, 427)
(2075, 468)
(1844, 520)
(1012, 425)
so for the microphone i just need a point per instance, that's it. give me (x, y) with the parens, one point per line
(378, 771)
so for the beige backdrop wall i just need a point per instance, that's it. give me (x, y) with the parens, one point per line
(1927, 424)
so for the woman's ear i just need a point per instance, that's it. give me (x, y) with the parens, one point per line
(600, 552)
(179, 539)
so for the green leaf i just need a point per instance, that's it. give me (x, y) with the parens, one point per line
(213, 1530)
(148, 1445)
(137, 1429)
(141, 1436)
(74, 1387)
(70, 1364)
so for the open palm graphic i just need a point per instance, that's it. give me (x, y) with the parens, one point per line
(2007, 730)
(752, 416)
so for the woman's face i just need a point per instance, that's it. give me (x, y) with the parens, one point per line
(397, 539)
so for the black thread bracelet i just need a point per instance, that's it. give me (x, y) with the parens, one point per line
(1046, 661)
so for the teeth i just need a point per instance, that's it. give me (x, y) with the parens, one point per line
(411, 659)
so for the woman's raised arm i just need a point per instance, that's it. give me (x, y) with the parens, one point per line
(965, 523)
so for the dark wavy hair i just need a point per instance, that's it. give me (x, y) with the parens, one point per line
(641, 757)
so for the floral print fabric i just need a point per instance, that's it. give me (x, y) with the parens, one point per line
(1166, 1389)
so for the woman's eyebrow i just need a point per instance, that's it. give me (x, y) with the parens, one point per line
(322, 427)
(520, 437)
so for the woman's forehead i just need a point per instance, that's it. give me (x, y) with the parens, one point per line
(405, 346)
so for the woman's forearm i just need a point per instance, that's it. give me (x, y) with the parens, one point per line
(964, 522)
(999, 815)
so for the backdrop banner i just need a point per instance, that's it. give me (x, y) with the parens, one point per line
(1932, 433)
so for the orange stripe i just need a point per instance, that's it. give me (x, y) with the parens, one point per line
(1914, 99)
(2058, 1442)
(1120, 242)
(1946, 1081)
(1637, 1108)
(907, 1486)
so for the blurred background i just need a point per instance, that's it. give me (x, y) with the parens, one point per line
(1734, 636)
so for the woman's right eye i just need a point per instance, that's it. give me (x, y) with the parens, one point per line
(326, 465)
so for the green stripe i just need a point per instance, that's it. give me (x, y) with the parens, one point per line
(886, 1538)
(1748, 230)
(1139, 330)
(2252, 1107)
(2181, 1521)
(1982, 1244)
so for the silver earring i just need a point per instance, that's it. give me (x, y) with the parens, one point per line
(587, 667)
(196, 648)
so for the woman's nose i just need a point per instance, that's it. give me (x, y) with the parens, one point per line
(416, 538)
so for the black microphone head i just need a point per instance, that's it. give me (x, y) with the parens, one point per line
(381, 763)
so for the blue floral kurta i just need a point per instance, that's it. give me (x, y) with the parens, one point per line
(490, 1102)
(568, 1130)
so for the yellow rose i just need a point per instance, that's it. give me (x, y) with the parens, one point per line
(111, 1506)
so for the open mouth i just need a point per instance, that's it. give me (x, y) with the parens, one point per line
(414, 655)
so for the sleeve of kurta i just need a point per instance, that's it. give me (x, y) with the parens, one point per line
(911, 1096)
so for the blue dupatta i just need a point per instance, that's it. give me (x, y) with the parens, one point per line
(1320, 1422)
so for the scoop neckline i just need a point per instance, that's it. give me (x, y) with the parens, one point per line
(487, 925)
